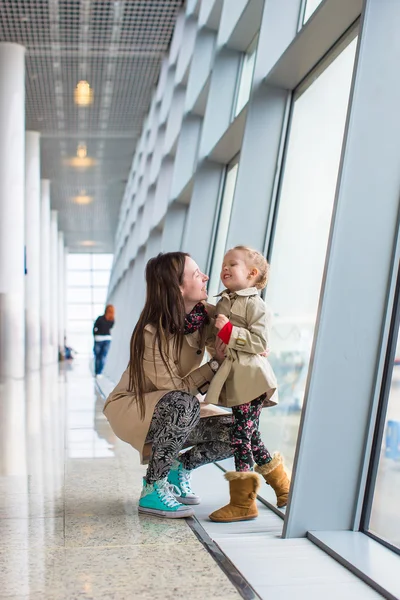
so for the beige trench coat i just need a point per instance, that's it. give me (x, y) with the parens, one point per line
(121, 408)
(244, 375)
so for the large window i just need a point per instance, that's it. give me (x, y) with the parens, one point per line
(246, 76)
(383, 517)
(311, 7)
(222, 229)
(300, 238)
(87, 284)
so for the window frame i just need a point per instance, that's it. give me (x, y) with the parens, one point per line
(218, 212)
(380, 418)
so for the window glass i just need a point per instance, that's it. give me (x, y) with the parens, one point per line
(79, 278)
(246, 76)
(222, 231)
(80, 326)
(300, 241)
(101, 278)
(311, 7)
(102, 261)
(79, 262)
(87, 286)
(100, 295)
(385, 515)
(98, 309)
(77, 295)
(79, 311)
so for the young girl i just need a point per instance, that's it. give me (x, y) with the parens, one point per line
(246, 382)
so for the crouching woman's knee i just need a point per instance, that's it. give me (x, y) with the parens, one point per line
(186, 408)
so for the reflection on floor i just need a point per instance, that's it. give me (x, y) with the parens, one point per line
(69, 526)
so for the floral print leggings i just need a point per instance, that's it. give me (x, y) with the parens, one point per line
(246, 439)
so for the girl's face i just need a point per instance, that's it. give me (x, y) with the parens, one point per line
(236, 274)
(194, 286)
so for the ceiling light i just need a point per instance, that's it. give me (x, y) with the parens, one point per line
(81, 151)
(80, 163)
(81, 160)
(82, 198)
(88, 243)
(83, 94)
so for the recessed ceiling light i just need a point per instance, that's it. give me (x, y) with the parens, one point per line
(83, 94)
(81, 163)
(88, 243)
(81, 160)
(81, 150)
(82, 198)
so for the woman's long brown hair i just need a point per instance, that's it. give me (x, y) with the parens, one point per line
(164, 309)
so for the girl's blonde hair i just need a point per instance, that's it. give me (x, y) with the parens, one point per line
(257, 260)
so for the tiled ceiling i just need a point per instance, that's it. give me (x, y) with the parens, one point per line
(115, 45)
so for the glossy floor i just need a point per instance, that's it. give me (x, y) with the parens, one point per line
(69, 526)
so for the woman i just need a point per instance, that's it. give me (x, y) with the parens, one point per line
(154, 407)
(102, 338)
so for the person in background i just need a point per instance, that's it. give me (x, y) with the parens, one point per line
(102, 338)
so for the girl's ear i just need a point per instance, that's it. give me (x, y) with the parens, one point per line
(253, 273)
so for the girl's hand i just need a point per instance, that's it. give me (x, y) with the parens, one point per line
(220, 350)
(265, 353)
(221, 321)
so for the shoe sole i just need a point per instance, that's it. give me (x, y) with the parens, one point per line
(233, 520)
(179, 514)
(190, 501)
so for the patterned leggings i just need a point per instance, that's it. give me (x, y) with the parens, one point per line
(176, 425)
(246, 438)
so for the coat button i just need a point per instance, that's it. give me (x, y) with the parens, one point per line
(198, 352)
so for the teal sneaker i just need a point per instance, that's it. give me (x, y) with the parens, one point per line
(157, 499)
(180, 479)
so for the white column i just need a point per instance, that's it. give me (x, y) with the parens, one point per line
(65, 304)
(54, 283)
(32, 245)
(12, 199)
(61, 292)
(45, 272)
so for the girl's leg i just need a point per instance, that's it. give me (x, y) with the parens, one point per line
(174, 418)
(242, 431)
(260, 453)
(270, 467)
(210, 441)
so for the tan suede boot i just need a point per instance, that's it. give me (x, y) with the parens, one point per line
(243, 487)
(275, 475)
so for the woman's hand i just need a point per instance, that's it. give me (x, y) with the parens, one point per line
(220, 350)
(221, 321)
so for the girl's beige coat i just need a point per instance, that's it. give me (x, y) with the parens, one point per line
(244, 375)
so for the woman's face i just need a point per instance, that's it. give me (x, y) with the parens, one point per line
(194, 287)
